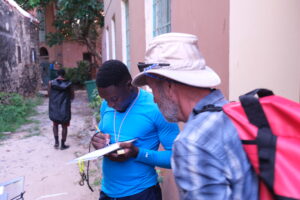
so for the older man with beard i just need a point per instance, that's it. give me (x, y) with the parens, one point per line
(208, 159)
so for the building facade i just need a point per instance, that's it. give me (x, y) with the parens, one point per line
(19, 69)
(250, 44)
(69, 52)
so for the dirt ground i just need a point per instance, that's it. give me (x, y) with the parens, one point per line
(29, 152)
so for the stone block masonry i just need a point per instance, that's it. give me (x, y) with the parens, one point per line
(19, 65)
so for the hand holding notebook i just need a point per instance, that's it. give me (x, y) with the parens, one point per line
(100, 152)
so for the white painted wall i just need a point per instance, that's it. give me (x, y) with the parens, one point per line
(107, 45)
(113, 38)
(264, 47)
(123, 24)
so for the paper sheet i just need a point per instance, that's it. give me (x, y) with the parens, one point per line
(100, 152)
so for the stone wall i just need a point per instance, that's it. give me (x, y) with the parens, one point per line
(19, 68)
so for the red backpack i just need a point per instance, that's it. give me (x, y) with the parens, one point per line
(269, 128)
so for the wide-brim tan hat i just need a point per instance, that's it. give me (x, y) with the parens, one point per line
(176, 56)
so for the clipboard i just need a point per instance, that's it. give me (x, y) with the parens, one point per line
(100, 152)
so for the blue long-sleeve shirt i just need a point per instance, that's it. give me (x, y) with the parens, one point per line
(146, 123)
(208, 159)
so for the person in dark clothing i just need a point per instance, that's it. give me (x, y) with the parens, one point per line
(61, 94)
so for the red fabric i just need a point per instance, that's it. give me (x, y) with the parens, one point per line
(284, 119)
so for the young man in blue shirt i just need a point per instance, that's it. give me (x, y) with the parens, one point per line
(128, 112)
(208, 159)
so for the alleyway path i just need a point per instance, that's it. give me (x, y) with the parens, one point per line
(29, 152)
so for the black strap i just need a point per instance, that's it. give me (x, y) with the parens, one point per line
(277, 197)
(20, 196)
(85, 176)
(209, 107)
(250, 142)
(261, 92)
(266, 140)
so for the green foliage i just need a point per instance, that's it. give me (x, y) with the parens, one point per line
(54, 38)
(79, 74)
(15, 110)
(97, 182)
(31, 4)
(78, 20)
(95, 104)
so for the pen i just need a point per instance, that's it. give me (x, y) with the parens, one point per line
(98, 131)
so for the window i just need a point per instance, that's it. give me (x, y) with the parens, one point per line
(42, 27)
(87, 57)
(107, 43)
(33, 56)
(19, 54)
(161, 17)
(126, 33)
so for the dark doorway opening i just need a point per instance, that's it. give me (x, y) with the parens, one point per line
(87, 57)
(43, 51)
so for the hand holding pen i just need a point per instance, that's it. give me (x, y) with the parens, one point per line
(100, 140)
(128, 149)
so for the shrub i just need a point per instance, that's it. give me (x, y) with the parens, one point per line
(79, 74)
(14, 110)
(95, 104)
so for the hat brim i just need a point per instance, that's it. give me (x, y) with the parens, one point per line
(201, 78)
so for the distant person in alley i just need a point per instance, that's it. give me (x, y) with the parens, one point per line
(61, 94)
(128, 112)
(208, 159)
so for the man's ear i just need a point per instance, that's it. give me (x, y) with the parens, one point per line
(128, 84)
(171, 89)
(167, 87)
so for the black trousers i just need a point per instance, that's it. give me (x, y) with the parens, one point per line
(151, 193)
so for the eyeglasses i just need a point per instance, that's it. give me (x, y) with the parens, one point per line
(162, 78)
(145, 67)
(158, 77)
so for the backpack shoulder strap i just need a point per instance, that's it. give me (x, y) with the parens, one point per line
(266, 140)
(209, 107)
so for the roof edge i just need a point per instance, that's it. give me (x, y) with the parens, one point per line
(22, 11)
